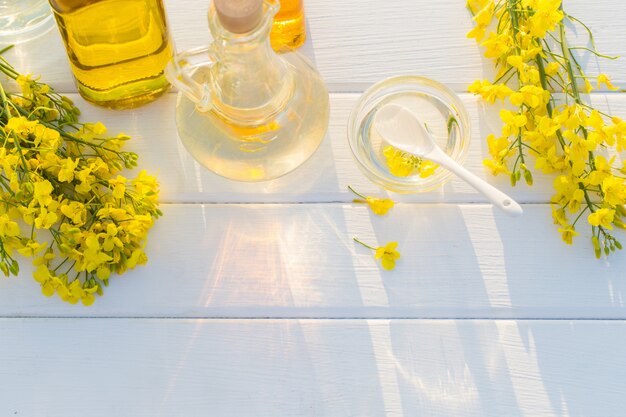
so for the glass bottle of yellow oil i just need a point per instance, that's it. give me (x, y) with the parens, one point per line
(288, 30)
(244, 111)
(118, 49)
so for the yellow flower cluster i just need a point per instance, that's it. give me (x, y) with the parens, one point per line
(538, 75)
(63, 200)
(402, 164)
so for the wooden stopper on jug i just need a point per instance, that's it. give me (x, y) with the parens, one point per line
(239, 16)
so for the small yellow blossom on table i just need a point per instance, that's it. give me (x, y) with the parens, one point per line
(387, 254)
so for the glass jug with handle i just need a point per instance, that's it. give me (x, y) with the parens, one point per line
(243, 111)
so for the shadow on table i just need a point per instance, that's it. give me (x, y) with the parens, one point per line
(393, 367)
(509, 368)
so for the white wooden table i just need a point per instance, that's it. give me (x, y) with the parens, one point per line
(256, 302)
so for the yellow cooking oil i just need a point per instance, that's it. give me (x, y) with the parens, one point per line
(263, 150)
(288, 30)
(243, 111)
(118, 49)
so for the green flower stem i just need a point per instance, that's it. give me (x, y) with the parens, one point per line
(576, 96)
(574, 19)
(570, 71)
(579, 216)
(6, 48)
(6, 68)
(364, 244)
(544, 85)
(596, 53)
(356, 192)
(587, 106)
(520, 150)
(5, 102)
(514, 24)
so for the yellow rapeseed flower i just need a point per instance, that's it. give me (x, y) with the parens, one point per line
(552, 68)
(66, 173)
(559, 216)
(490, 92)
(44, 277)
(546, 16)
(8, 228)
(498, 147)
(45, 219)
(402, 164)
(75, 211)
(496, 167)
(118, 185)
(379, 206)
(20, 126)
(602, 217)
(614, 190)
(26, 85)
(31, 248)
(497, 45)
(567, 234)
(601, 172)
(576, 198)
(387, 254)
(476, 5)
(604, 79)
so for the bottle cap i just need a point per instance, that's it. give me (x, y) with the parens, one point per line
(239, 16)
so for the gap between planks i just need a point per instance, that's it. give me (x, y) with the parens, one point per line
(319, 319)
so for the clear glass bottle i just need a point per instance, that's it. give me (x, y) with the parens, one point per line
(118, 49)
(288, 30)
(245, 112)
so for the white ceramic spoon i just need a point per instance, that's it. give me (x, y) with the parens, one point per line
(401, 128)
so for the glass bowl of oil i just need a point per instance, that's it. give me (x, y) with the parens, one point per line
(440, 110)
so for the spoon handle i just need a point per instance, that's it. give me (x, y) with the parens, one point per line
(497, 197)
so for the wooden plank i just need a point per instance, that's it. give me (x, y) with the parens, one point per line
(325, 177)
(356, 43)
(276, 260)
(141, 368)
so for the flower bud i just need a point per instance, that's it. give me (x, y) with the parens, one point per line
(619, 223)
(528, 176)
(28, 187)
(596, 246)
(14, 268)
(51, 115)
